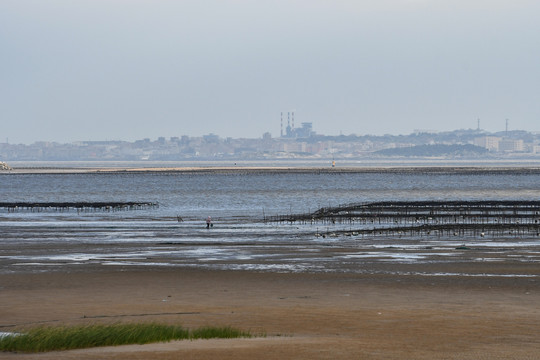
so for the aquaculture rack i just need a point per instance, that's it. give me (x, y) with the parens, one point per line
(79, 206)
(482, 218)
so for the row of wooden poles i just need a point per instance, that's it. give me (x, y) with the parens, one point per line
(482, 218)
(460, 230)
(79, 206)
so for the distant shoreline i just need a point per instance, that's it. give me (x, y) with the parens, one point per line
(450, 169)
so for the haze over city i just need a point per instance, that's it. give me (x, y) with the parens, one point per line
(128, 70)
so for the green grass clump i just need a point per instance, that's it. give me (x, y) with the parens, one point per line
(209, 332)
(77, 337)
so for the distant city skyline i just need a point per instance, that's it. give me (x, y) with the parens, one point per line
(298, 127)
(301, 143)
(115, 70)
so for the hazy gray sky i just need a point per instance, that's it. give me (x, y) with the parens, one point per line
(128, 69)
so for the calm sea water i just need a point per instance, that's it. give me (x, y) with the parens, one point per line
(202, 194)
(237, 202)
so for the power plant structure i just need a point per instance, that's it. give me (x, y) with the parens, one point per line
(293, 133)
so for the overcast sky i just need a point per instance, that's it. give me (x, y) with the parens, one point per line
(74, 70)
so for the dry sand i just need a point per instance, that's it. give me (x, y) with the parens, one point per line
(305, 316)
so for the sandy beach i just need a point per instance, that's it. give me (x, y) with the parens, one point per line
(304, 316)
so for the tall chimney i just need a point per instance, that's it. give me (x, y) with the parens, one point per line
(282, 124)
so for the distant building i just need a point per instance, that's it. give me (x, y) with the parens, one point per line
(511, 145)
(488, 142)
(291, 132)
(493, 143)
(211, 138)
(305, 131)
(295, 147)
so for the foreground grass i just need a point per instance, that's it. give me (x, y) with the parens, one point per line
(76, 337)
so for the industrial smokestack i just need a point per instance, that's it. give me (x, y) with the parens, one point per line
(282, 124)
(288, 119)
